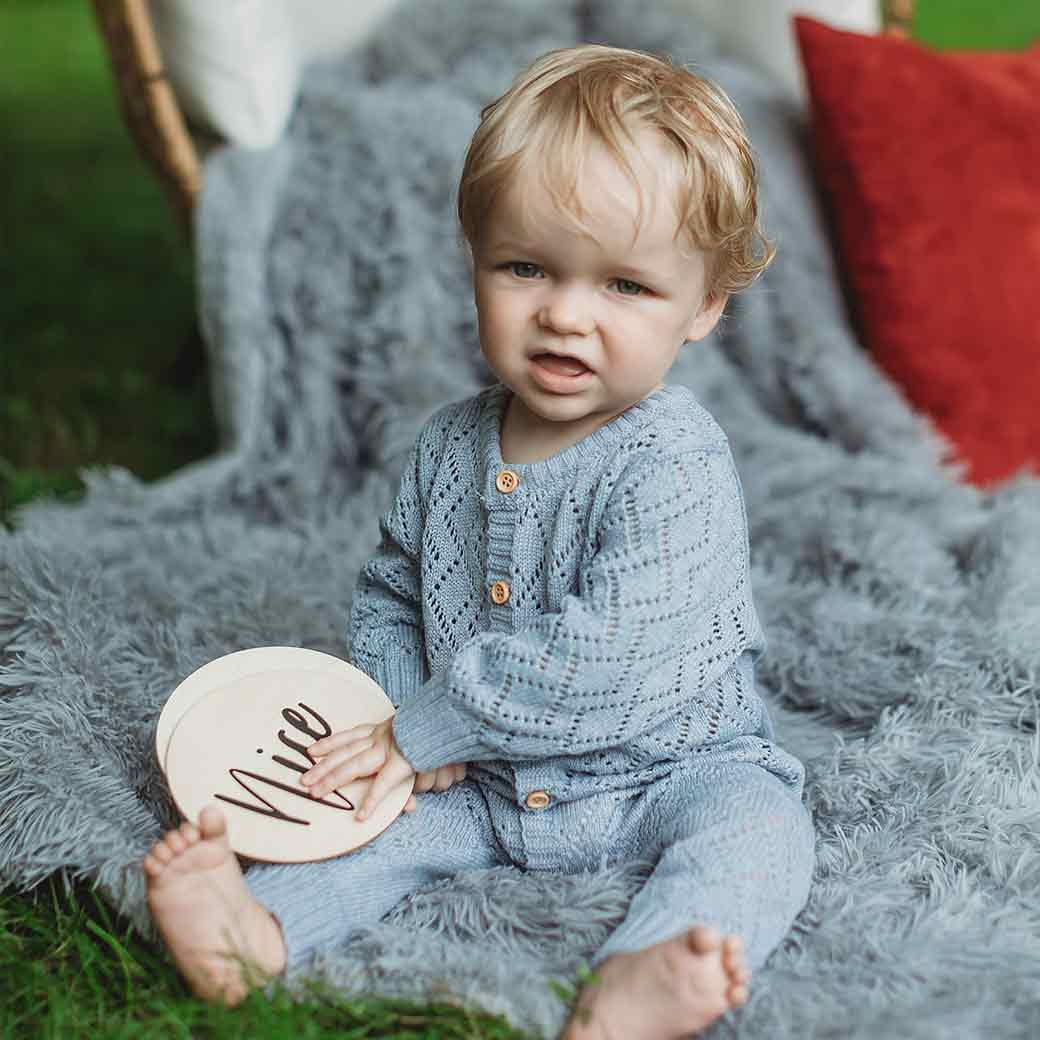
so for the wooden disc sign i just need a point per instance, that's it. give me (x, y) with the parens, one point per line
(236, 732)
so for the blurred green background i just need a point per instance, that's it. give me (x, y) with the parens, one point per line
(100, 358)
(977, 24)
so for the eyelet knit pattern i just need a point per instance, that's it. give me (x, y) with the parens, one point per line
(629, 636)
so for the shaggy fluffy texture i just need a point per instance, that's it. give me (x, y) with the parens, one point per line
(902, 606)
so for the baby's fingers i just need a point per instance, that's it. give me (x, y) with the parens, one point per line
(335, 758)
(341, 767)
(337, 741)
(393, 773)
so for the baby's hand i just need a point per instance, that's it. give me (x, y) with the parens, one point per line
(439, 779)
(354, 753)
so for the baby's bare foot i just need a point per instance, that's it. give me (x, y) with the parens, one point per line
(221, 938)
(678, 987)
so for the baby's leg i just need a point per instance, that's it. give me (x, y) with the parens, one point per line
(736, 863)
(316, 905)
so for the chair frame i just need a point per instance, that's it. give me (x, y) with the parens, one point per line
(150, 107)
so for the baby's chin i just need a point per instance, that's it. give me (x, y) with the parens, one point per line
(577, 418)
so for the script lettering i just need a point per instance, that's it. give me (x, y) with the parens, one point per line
(271, 811)
(298, 722)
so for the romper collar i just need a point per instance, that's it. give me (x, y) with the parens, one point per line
(589, 451)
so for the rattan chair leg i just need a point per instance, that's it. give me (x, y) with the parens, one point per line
(148, 102)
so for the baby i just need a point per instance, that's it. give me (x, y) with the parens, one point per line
(560, 607)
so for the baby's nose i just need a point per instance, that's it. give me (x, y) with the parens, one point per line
(569, 311)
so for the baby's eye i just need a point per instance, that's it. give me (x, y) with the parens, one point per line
(522, 269)
(629, 288)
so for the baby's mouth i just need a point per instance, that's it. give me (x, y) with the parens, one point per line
(562, 366)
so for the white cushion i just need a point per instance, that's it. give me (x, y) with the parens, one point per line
(760, 31)
(232, 64)
(235, 64)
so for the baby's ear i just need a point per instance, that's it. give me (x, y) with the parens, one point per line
(707, 317)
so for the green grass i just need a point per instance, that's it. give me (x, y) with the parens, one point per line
(101, 363)
(977, 24)
(70, 968)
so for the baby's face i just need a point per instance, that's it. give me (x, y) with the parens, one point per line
(620, 308)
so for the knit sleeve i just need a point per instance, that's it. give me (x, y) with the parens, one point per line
(386, 614)
(664, 608)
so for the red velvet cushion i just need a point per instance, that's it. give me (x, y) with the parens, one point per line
(930, 163)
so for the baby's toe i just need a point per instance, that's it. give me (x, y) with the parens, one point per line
(740, 977)
(152, 866)
(703, 938)
(738, 995)
(190, 832)
(733, 954)
(177, 842)
(162, 852)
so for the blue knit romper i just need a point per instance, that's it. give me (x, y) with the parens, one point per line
(580, 632)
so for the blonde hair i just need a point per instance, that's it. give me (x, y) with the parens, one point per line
(548, 114)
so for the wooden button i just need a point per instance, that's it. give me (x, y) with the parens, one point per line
(538, 800)
(500, 592)
(507, 481)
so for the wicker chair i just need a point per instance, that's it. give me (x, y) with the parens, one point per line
(153, 114)
(149, 105)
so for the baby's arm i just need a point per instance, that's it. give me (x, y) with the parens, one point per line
(665, 609)
(386, 615)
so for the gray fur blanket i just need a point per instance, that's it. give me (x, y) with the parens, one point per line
(902, 606)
